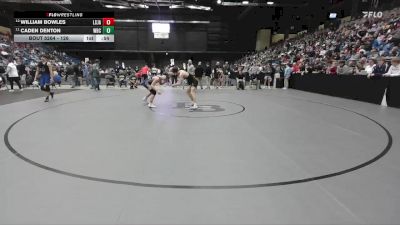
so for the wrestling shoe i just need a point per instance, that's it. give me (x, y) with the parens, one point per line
(194, 106)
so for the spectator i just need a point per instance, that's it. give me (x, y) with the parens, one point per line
(172, 75)
(287, 74)
(12, 74)
(143, 74)
(268, 74)
(95, 74)
(278, 71)
(245, 72)
(332, 69)
(217, 75)
(360, 70)
(226, 70)
(232, 75)
(379, 69)
(56, 77)
(359, 39)
(378, 43)
(198, 73)
(296, 68)
(69, 71)
(344, 69)
(240, 78)
(85, 73)
(21, 72)
(207, 73)
(76, 73)
(394, 69)
(190, 68)
(253, 72)
(369, 68)
(374, 54)
(353, 65)
(154, 70)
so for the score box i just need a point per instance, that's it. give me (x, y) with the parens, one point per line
(108, 29)
(104, 38)
(108, 21)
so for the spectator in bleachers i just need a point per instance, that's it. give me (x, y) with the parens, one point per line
(29, 55)
(296, 68)
(394, 69)
(369, 68)
(344, 69)
(379, 69)
(360, 70)
(394, 52)
(332, 69)
(357, 40)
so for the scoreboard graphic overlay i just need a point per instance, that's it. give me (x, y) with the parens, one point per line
(64, 27)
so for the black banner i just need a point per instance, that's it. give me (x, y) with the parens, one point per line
(393, 92)
(50, 14)
(352, 86)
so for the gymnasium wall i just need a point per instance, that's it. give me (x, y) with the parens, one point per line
(179, 40)
(277, 37)
(263, 39)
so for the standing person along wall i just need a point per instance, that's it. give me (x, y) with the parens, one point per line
(95, 74)
(199, 72)
(207, 75)
(287, 74)
(12, 74)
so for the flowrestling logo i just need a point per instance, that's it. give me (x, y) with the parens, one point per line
(372, 14)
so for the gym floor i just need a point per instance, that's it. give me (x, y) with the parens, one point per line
(245, 157)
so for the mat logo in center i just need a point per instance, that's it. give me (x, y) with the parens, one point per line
(202, 108)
